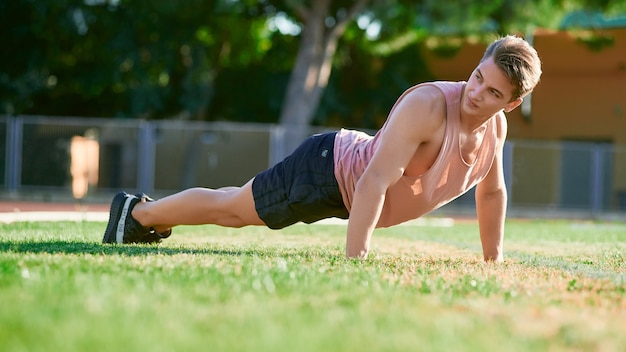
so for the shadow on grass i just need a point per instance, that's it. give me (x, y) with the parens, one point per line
(76, 247)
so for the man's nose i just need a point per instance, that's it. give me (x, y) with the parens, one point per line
(478, 93)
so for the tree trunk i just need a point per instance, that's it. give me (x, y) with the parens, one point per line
(312, 69)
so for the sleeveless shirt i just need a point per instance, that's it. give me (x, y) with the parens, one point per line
(413, 196)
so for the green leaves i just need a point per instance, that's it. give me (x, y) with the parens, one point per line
(161, 58)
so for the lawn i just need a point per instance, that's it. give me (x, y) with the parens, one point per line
(424, 288)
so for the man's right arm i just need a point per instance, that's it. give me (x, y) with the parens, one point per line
(369, 197)
(411, 123)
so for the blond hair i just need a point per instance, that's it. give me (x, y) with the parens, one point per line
(518, 60)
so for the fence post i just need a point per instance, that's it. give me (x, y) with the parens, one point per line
(597, 189)
(13, 167)
(147, 156)
(508, 170)
(277, 144)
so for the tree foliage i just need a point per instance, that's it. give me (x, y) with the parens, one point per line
(228, 59)
(123, 58)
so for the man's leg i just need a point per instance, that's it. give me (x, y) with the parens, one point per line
(229, 206)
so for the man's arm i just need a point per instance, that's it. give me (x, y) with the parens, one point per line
(412, 122)
(491, 202)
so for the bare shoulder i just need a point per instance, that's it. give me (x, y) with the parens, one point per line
(423, 97)
(423, 106)
(501, 127)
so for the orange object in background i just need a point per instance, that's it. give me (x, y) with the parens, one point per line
(84, 156)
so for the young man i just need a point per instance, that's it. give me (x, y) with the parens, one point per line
(439, 140)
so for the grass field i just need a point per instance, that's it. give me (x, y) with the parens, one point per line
(562, 288)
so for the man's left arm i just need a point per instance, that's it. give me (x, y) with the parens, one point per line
(491, 202)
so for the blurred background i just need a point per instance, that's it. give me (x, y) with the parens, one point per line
(157, 96)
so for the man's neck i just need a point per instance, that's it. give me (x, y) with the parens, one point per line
(472, 123)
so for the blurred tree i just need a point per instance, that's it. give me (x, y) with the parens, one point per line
(123, 58)
(20, 72)
(161, 58)
(322, 27)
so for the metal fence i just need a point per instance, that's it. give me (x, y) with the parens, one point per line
(50, 158)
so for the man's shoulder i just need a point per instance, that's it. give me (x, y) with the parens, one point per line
(438, 90)
(501, 125)
(428, 91)
(421, 112)
(425, 97)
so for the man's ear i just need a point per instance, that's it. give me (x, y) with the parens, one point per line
(512, 105)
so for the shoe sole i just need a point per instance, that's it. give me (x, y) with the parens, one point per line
(114, 232)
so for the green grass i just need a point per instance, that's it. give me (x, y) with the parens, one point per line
(562, 288)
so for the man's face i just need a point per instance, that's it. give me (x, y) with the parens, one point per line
(488, 91)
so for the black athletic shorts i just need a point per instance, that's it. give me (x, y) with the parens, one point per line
(302, 187)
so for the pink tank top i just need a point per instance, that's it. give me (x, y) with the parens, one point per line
(411, 197)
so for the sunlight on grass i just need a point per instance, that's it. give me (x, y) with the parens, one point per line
(561, 288)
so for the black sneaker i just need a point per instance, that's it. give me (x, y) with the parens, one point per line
(122, 227)
(152, 236)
